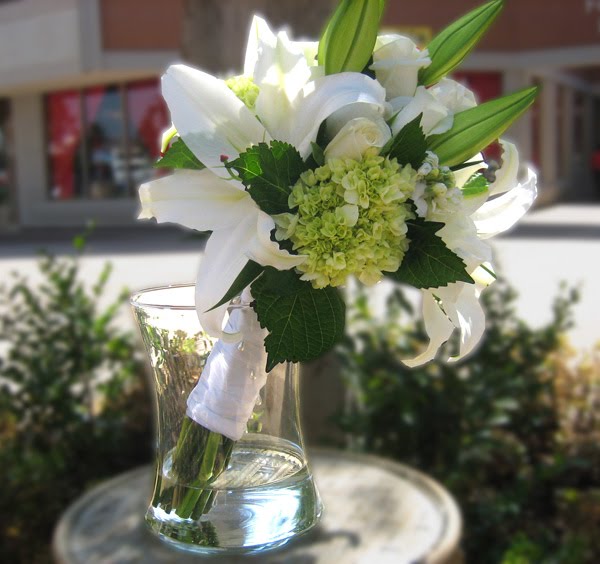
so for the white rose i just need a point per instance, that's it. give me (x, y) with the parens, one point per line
(396, 62)
(356, 137)
(338, 119)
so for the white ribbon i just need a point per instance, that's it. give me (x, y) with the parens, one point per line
(234, 374)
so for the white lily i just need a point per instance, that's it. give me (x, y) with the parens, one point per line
(215, 124)
(446, 309)
(503, 211)
(457, 305)
(240, 232)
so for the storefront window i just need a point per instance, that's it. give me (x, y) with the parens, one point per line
(63, 114)
(147, 118)
(92, 152)
(104, 144)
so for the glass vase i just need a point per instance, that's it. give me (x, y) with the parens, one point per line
(212, 494)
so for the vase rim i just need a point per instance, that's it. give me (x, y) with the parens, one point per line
(182, 298)
(162, 297)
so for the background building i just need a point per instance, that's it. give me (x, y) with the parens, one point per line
(81, 112)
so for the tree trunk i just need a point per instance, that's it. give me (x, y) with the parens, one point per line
(215, 31)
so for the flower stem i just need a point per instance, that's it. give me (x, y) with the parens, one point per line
(207, 470)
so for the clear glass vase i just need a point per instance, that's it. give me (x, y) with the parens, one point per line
(212, 494)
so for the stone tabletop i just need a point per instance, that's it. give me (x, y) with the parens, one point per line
(376, 511)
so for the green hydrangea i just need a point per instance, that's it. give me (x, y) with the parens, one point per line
(350, 218)
(245, 89)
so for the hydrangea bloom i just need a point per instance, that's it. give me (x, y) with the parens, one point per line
(351, 219)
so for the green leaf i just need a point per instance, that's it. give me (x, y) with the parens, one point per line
(475, 128)
(409, 145)
(428, 263)
(269, 172)
(477, 184)
(449, 48)
(179, 156)
(303, 323)
(348, 40)
(249, 274)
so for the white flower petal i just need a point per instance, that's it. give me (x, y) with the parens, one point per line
(195, 199)
(501, 213)
(281, 72)
(507, 174)
(223, 260)
(259, 33)
(310, 50)
(461, 237)
(471, 319)
(226, 254)
(454, 95)
(324, 96)
(461, 176)
(436, 117)
(438, 327)
(338, 119)
(356, 137)
(396, 62)
(263, 250)
(209, 117)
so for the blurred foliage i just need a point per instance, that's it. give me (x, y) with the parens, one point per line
(512, 432)
(73, 402)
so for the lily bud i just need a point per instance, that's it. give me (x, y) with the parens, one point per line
(347, 43)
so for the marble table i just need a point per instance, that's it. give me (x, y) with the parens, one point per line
(376, 511)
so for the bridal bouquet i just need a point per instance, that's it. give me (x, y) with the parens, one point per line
(354, 156)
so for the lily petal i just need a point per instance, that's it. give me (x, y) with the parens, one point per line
(259, 33)
(223, 260)
(438, 327)
(461, 236)
(324, 96)
(209, 117)
(507, 174)
(281, 71)
(471, 319)
(461, 176)
(436, 117)
(226, 254)
(195, 199)
(501, 213)
(261, 249)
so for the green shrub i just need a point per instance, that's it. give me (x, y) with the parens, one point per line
(489, 427)
(73, 406)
